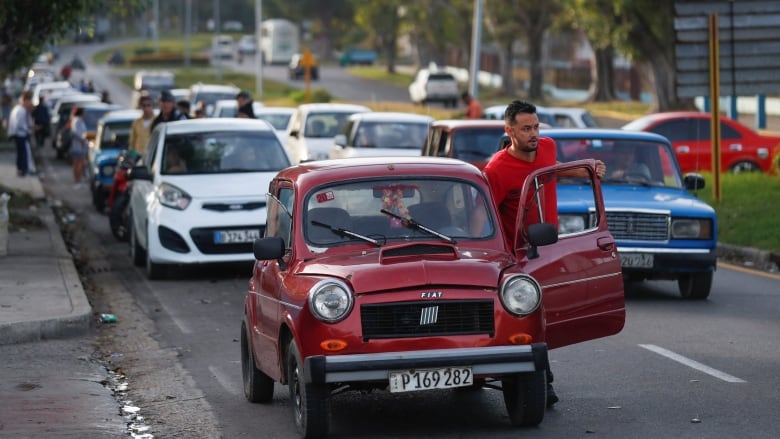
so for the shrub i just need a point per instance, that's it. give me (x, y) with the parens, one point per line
(317, 95)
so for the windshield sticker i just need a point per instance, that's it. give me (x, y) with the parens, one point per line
(324, 197)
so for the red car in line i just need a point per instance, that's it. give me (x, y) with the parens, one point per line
(392, 274)
(741, 149)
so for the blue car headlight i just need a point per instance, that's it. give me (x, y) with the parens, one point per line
(568, 223)
(691, 228)
(107, 171)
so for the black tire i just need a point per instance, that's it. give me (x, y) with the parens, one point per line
(155, 271)
(525, 397)
(745, 166)
(309, 402)
(258, 387)
(137, 253)
(695, 286)
(99, 199)
(118, 217)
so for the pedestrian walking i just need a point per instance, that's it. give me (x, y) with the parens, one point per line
(78, 146)
(168, 110)
(20, 127)
(41, 116)
(473, 106)
(245, 108)
(142, 127)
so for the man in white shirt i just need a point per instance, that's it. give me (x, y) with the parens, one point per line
(19, 129)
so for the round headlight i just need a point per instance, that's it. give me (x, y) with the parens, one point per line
(521, 295)
(108, 171)
(330, 301)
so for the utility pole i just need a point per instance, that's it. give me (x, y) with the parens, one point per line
(217, 56)
(258, 52)
(476, 46)
(187, 31)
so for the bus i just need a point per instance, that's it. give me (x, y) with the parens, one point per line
(278, 41)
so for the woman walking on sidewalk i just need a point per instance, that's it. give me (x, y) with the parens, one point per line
(78, 146)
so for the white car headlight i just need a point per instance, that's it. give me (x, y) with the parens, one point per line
(689, 228)
(173, 197)
(330, 300)
(570, 224)
(521, 295)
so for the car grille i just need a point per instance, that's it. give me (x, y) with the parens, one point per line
(427, 319)
(638, 226)
(204, 240)
(227, 207)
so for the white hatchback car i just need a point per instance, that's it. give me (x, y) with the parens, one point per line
(229, 108)
(383, 134)
(200, 197)
(312, 128)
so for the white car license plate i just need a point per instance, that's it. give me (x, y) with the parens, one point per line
(236, 236)
(636, 260)
(427, 379)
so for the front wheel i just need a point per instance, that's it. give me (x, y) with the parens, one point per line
(695, 286)
(745, 166)
(258, 387)
(310, 404)
(154, 271)
(525, 397)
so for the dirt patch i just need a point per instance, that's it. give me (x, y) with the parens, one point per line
(22, 211)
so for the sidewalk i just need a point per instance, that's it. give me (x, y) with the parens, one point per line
(41, 296)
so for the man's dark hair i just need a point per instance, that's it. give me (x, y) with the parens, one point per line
(516, 107)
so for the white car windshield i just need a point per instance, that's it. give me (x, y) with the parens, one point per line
(223, 152)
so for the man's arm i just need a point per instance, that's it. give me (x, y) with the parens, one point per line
(601, 170)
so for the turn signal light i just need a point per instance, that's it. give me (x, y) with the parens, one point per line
(520, 339)
(333, 345)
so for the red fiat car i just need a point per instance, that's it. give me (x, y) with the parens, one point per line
(392, 274)
(741, 149)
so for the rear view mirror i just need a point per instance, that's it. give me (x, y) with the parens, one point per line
(693, 182)
(140, 172)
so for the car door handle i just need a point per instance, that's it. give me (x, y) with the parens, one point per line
(735, 147)
(683, 149)
(606, 243)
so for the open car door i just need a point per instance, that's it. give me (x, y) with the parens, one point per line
(580, 274)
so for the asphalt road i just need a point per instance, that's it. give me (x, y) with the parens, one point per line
(678, 369)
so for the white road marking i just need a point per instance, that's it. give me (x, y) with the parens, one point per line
(225, 381)
(692, 363)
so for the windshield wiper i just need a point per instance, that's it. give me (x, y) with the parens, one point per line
(344, 232)
(409, 222)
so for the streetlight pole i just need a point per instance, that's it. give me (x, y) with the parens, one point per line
(217, 56)
(258, 51)
(476, 43)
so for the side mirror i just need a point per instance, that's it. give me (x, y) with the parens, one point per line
(294, 133)
(268, 248)
(340, 140)
(139, 173)
(540, 235)
(693, 181)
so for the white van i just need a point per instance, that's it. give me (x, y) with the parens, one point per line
(278, 41)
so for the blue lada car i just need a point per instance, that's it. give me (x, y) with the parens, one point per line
(112, 136)
(662, 230)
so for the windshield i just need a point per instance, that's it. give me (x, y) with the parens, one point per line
(278, 121)
(434, 208)
(629, 161)
(399, 135)
(115, 134)
(223, 152)
(325, 124)
(476, 144)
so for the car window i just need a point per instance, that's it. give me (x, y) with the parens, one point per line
(629, 161)
(151, 150)
(448, 206)
(394, 135)
(278, 121)
(679, 130)
(441, 77)
(476, 144)
(325, 124)
(115, 135)
(222, 152)
(727, 132)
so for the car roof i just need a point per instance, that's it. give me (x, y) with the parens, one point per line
(217, 124)
(330, 106)
(391, 116)
(602, 133)
(468, 123)
(78, 97)
(312, 173)
(124, 114)
(275, 110)
(99, 106)
(214, 87)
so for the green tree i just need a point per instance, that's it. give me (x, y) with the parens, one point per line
(25, 27)
(382, 21)
(437, 26)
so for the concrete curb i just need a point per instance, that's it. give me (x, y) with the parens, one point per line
(750, 257)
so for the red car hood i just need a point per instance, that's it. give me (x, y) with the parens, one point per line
(410, 266)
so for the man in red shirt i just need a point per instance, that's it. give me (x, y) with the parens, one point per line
(473, 107)
(508, 169)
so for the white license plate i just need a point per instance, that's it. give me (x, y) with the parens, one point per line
(636, 260)
(236, 236)
(427, 379)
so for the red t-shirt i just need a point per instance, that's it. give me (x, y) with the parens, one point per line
(506, 175)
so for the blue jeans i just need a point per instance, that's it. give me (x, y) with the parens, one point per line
(21, 154)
